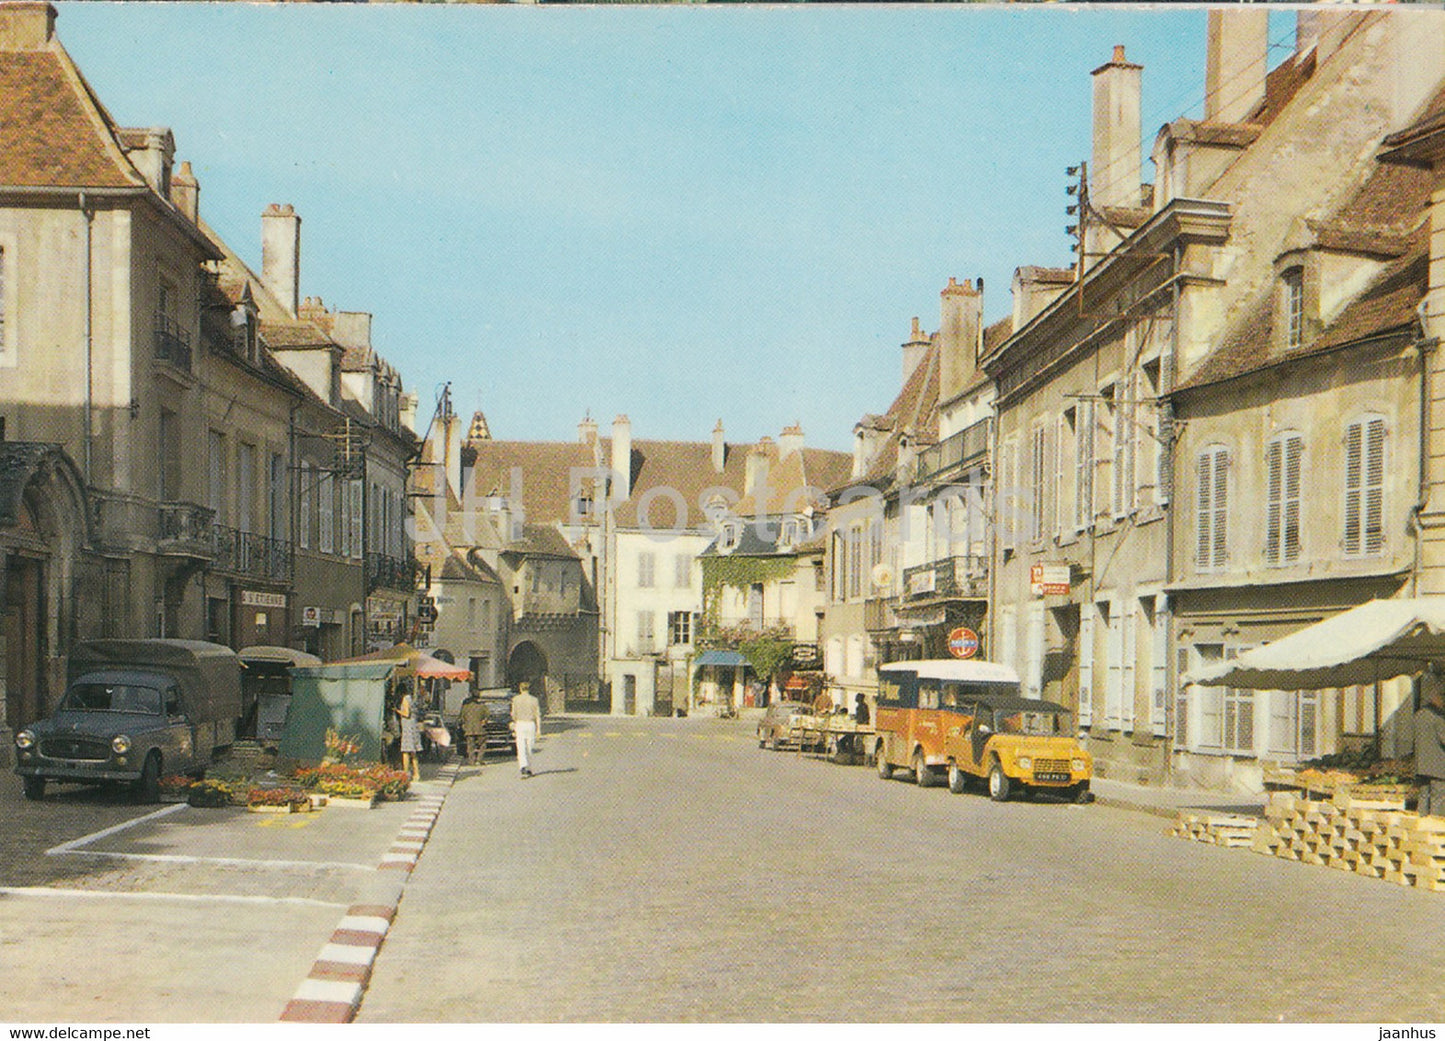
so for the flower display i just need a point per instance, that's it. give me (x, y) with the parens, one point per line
(214, 792)
(276, 797)
(339, 747)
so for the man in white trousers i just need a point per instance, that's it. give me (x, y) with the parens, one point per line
(526, 726)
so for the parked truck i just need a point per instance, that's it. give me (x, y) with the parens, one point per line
(132, 710)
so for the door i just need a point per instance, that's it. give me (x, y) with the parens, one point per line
(182, 745)
(24, 612)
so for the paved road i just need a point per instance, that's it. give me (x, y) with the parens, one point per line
(180, 915)
(670, 870)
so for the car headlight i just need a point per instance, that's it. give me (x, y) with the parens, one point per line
(1025, 763)
(120, 743)
(1077, 765)
(25, 739)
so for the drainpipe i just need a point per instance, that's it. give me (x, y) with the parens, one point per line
(89, 435)
(1423, 346)
(1166, 472)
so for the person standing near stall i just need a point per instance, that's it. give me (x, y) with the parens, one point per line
(473, 721)
(410, 733)
(1430, 743)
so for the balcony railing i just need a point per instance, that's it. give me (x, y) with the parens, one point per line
(384, 572)
(969, 445)
(963, 578)
(185, 530)
(878, 614)
(255, 556)
(173, 343)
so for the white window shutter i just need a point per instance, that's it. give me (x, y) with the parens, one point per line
(1086, 664)
(1273, 501)
(1159, 670)
(1113, 666)
(1128, 693)
(1374, 503)
(1204, 511)
(1354, 434)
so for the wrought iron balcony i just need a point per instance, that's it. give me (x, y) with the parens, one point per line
(173, 343)
(185, 530)
(385, 572)
(255, 556)
(968, 446)
(953, 578)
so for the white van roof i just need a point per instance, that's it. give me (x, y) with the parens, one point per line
(967, 669)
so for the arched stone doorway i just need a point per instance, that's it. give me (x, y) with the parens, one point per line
(528, 664)
(44, 529)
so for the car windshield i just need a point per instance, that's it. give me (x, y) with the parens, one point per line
(1047, 724)
(112, 697)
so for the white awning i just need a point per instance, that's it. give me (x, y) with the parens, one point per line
(1375, 641)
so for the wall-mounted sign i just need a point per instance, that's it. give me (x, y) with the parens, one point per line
(311, 616)
(963, 643)
(806, 656)
(1049, 579)
(253, 598)
(922, 582)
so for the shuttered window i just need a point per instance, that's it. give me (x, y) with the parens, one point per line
(1159, 668)
(1293, 286)
(1129, 664)
(1364, 486)
(1113, 619)
(1038, 462)
(1122, 498)
(1061, 477)
(1212, 509)
(1034, 666)
(1005, 499)
(1084, 457)
(1282, 457)
(1086, 665)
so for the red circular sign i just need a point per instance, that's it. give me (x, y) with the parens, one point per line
(963, 643)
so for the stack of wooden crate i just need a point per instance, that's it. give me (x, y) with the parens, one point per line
(1370, 834)
(1217, 829)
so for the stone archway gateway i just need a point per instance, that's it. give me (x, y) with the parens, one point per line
(44, 529)
(528, 664)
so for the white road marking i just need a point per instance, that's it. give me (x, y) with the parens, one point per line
(364, 924)
(347, 954)
(176, 858)
(86, 840)
(108, 894)
(329, 990)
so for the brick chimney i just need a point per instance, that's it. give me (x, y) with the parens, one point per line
(915, 350)
(621, 458)
(1035, 288)
(26, 26)
(186, 192)
(791, 440)
(1235, 63)
(755, 476)
(281, 254)
(719, 448)
(959, 336)
(151, 150)
(1114, 171)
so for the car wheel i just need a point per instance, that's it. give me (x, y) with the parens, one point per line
(772, 743)
(922, 775)
(957, 779)
(998, 784)
(1080, 792)
(762, 742)
(148, 788)
(885, 768)
(34, 787)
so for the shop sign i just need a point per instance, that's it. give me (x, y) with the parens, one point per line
(253, 598)
(806, 656)
(922, 582)
(963, 643)
(311, 616)
(1049, 579)
(379, 609)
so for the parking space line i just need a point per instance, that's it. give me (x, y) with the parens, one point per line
(85, 840)
(111, 894)
(178, 858)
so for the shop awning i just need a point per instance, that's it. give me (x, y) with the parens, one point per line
(1376, 641)
(726, 658)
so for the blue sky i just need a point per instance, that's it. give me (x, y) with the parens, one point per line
(681, 213)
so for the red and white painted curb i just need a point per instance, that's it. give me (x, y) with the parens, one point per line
(332, 992)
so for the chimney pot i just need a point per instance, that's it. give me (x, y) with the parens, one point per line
(719, 448)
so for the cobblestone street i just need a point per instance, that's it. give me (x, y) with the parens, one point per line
(670, 870)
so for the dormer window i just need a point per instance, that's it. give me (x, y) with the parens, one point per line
(789, 536)
(728, 538)
(1292, 306)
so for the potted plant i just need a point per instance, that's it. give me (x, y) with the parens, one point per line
(277, 800)
(175, 788)
(213, 792)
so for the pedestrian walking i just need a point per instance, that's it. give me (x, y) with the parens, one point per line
(526, 726)
(410, 733)
(473, 721)
(1430, 743)
(860, 710)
